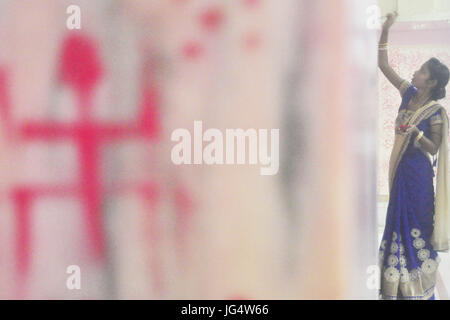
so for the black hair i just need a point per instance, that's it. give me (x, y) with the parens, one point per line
(439, 72)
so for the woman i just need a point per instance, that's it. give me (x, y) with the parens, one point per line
(416, 223)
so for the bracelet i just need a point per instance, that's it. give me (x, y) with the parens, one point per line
(382, 46)
(383, 49)
(416, 141)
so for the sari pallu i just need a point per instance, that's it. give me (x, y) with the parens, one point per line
(416, 225)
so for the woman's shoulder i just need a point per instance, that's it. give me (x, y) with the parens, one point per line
(437, 117)
(406, 89)
(405, 84)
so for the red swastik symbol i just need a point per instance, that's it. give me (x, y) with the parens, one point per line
(80, 69)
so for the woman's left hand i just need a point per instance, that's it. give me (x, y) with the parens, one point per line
(391, 17)
(413, 130)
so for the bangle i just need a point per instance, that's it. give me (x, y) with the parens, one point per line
(419, 136)
(383, 49)
(382, 46)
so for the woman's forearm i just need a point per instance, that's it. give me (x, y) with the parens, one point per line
(428, 145)
(382, 54)
(384, 35)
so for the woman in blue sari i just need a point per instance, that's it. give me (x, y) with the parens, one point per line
(416, 221)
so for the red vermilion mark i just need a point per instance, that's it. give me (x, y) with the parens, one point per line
(211, 19)
(4, 99)
(150, 117)
(183, 200)
(5, 105)
(251, 3)
(152, 234)
(81, 69)
(21, 197)
(80, 65)
(192, 50)
(185, 207)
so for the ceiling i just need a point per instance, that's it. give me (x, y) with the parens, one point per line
(417, 10)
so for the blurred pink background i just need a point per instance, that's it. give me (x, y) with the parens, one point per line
(85, 171)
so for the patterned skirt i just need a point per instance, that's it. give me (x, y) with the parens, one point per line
(407, 261)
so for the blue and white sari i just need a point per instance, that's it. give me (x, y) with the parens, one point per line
(407, 259)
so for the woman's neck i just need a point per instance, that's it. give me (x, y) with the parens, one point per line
(422, 97)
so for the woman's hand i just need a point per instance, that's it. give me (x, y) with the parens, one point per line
(391, 17)
(400, 129)
(412, 130)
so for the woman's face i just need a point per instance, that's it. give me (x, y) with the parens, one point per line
(421, 78)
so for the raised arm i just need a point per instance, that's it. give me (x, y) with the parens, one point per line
(383, 62)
